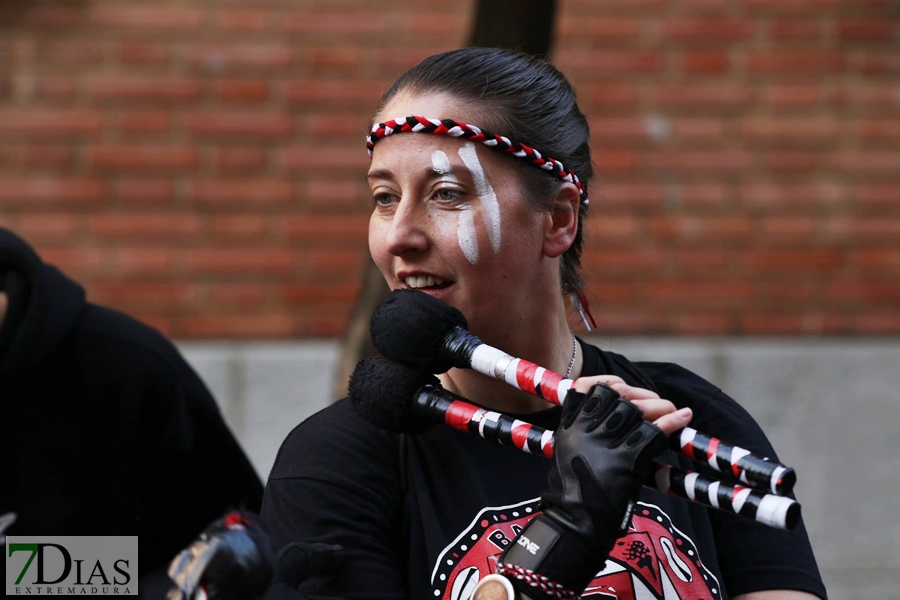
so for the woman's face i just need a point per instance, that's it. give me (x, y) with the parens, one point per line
(449, 218)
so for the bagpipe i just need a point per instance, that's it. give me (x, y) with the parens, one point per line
(419, 335)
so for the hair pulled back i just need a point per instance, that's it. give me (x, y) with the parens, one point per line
(525, 99)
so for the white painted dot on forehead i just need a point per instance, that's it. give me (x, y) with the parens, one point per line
(440, 162)
(485, 194)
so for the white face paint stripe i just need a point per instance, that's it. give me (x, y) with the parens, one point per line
(465, 235)
(465, 224)
(485, 194)
(440, 162)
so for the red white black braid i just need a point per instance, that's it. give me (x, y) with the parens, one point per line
(474, 134)
(536, 580)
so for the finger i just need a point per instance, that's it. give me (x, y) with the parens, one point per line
(629, 392)
(672, 422)
(584, 384)
(654, 408)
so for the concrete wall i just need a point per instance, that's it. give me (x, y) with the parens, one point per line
(827, 405)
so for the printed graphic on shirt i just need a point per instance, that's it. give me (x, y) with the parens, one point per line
(653, 561)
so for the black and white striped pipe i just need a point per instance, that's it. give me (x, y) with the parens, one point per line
(743, 465)
(746, 467)
(775, 511)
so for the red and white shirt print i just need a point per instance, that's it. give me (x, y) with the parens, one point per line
(654, 561)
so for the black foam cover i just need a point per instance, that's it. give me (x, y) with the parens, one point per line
(410, 326)
(383, 392)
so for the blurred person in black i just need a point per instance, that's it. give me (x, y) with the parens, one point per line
(106, 429)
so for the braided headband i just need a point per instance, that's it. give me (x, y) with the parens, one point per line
(474, 134)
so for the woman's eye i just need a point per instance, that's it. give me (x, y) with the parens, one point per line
(382, 199)
(448, 195)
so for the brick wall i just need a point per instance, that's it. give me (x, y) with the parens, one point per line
(200, 164)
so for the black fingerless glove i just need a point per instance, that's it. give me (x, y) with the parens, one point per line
(602, 452)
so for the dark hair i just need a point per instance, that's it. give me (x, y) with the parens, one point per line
(525, 99)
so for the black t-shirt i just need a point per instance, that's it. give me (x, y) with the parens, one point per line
(424, 516)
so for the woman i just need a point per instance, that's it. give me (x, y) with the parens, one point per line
(500, 238)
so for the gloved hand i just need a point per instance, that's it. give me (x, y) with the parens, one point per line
(601, 457)
(233, 559)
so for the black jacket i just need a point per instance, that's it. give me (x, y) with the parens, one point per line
(106, 430)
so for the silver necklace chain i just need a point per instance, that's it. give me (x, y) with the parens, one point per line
(574, 354)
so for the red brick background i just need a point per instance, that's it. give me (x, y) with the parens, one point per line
(200, 164)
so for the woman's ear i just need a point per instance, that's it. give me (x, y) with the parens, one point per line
(562, 221)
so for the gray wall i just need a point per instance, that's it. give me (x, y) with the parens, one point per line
(827, 405)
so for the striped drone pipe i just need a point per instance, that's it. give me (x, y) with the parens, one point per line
(416, 329)
(404, 400)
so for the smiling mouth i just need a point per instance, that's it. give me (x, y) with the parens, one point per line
(420, 282)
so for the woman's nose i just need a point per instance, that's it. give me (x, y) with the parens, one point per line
(408, 230)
